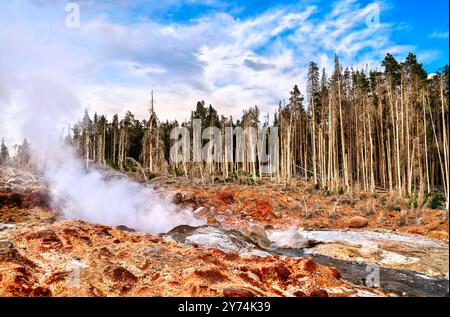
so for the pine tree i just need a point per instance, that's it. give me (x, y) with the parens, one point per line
(4, 153)
(23, 153)
(313, 99)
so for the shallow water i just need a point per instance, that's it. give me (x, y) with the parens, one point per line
(396, 257)
(295, 237)
(399, 282)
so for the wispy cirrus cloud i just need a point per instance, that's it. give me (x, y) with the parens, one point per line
(439, 35)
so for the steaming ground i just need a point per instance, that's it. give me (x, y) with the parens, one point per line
(43, 106)
(87, 195)
(37, 101)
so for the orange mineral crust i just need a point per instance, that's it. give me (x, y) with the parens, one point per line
(76, 258)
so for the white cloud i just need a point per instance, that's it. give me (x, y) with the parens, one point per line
(428, 56)
(439, 35)
(229, 62)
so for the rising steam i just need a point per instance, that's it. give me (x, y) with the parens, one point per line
(37, 100)
(88, 195)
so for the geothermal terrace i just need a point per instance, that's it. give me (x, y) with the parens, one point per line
(264, 239)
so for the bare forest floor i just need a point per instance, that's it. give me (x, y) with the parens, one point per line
(299, 204)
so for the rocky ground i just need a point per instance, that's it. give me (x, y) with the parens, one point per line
(75, 258)
(243, 251)
(300, 205)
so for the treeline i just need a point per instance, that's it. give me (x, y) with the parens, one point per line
(22, 155)
(356, 129)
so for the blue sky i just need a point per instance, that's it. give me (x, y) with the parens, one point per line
(422, 24)
(426, 27)
(232, 54)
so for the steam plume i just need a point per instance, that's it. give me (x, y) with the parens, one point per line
(89, 196)
(37, 98)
